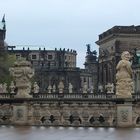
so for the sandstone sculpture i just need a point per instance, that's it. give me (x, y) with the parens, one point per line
(61, 87)
(5, 88)
(12, 87)
(35, 88)
(22, 74)
(85, 87)
(124, 85)
(54, 88)
(49, 89)
(1, 88)
(110, 88)
(100, 87)
(70, 88)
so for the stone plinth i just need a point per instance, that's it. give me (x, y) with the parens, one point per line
(20, 114)
(124, 115)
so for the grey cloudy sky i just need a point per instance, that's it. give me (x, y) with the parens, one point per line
(65, 23)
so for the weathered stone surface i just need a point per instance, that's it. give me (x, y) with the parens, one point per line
(124, 85)
(20, 114)
(124, 115)
(22, 74)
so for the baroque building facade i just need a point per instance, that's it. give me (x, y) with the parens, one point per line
(111, 44)
(53, 66)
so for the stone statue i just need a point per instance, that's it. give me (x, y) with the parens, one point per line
(91, 89)
(49, 89)
(70, 88)
(12, 87)
(124, 85)
(112, 88)
(22, 74)
(100, 88)
(4, 88)
(85, 87)
(61, 87)
(54, 88)
(35, 88)
(1, 88)
(109, 88)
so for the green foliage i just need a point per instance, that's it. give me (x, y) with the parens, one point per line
(6, 61)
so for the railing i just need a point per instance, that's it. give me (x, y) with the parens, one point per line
(44, 95)
(81, 96)
(136, 96)
(64, 95)
(6, 95)
(72, 96)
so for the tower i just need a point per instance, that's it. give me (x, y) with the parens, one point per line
(91, 65)
(2, 33)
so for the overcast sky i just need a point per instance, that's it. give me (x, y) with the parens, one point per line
(65, 23)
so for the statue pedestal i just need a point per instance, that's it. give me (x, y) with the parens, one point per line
(124, 96)
(124, 115)
(23, 93)
(20, 114)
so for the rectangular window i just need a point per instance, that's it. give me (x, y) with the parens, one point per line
(34, 57)
(50, 57)
(18, 56)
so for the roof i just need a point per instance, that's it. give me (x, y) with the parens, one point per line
(120, 29)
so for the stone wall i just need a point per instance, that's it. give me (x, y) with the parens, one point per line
(58, 114)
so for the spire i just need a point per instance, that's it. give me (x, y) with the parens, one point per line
(3, 19)
(3, 22)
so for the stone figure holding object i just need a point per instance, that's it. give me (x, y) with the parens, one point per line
(70, 88)
(35, 87)
(5, 88)
(12, 87)
(124, 85)
(61, 87)
(49, 89)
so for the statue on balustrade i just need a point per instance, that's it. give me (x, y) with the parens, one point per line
(1, 88)
(54, 88)
(124, 85)
(109, 88)
(5, 88)
(12, 87)
(85, 87)
(49, 89)
(70, 88)
(35, 88)
(22, 74)
(91, 89)
(61, 87)
(100, 88)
